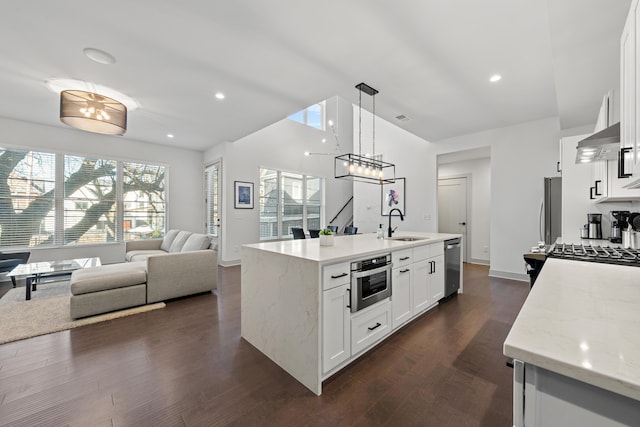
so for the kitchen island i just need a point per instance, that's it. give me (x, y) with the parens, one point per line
(294, 300)
(576, 347)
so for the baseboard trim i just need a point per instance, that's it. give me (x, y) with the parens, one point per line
(479, 261)
(508, 275)
(231, 263)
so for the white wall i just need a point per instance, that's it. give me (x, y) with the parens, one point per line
(521, 156)
(280, 146)
(479, 188)
(415, 160)
(185, 186)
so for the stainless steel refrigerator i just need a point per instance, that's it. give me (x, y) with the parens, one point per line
(551, 211)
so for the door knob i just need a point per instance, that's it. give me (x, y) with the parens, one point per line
(462, 223)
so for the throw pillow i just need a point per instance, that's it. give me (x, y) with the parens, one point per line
(179, 241)
(196, 242)
(168, 240)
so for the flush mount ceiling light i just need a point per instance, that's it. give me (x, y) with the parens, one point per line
(367, 168)
(495, 78)
(57, 85)
(93, 112)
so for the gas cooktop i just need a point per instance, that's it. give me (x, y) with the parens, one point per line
(603, 254)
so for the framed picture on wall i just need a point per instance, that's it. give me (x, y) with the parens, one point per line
(243, 195)
(393, 196)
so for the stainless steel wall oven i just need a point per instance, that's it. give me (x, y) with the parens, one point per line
(370, 281)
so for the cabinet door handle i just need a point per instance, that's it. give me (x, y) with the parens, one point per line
(371, 328)
(591, 196)
(404, 258)
(349, 290)
(405, 271)
(339, 276)
(598, 192)
(621, 154)
(558, 167)
(434, 266)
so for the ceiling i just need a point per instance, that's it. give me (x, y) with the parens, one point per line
(430, 59)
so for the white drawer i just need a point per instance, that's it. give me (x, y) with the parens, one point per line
(369, 326)
(421, 253)
(335, 275)
(437, 249)
(402, 257)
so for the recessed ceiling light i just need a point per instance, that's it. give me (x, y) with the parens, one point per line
(169, 135)
(324, 140)
(58, 85)
(219, 95)
(495, 78)
(99, 56)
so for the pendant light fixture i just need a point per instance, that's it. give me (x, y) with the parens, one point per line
(368, 168)
(93, 112)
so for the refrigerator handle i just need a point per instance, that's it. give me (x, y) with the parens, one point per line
(540, 225)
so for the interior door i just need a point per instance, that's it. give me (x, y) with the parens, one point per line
(452, 209)
(213, 184)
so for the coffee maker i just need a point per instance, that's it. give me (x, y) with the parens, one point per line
(619, 223)
(594, 223)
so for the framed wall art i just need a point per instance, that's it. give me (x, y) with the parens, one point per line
(243, 195)
(393, 196)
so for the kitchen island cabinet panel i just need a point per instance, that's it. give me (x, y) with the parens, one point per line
(421, 299)
(436, 279)
(336, 327)
(401, 298)
(369, 326)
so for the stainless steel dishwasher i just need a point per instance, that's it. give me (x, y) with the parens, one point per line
(452, 248)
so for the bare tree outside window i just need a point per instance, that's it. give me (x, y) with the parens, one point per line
(88, 200)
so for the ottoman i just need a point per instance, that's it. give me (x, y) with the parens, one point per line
(107, 288)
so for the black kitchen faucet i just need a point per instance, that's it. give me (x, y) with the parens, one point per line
(389, 230)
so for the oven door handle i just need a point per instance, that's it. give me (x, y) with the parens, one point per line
(359, 274)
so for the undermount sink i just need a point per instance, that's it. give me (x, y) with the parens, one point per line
(407, 238)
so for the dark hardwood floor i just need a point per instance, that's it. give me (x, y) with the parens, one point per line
(186, 365)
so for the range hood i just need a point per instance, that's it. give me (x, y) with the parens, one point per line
(602, 145)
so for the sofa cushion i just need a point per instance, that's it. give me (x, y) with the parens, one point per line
(196, 242)
(168, 239)
(179, 241)
(143, 254)
(112, 276)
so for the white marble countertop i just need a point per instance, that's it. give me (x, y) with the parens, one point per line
(582, 320)
(348, 247)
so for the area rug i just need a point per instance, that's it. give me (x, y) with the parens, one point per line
(47, 312)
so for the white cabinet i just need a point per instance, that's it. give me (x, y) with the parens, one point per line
(336, 327)
(369, 326)
(544, 398)
(418, 282)
(436, 279)
(401, 282)
(336, 316)
(421, 294)
(629, 87)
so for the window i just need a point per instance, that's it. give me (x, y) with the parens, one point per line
(212, 182)
(288, 200)
(144, 205)
(48, 198)
(311, 116)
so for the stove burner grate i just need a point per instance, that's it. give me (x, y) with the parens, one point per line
(593, 253)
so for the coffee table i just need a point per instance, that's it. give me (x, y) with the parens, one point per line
(36, 271)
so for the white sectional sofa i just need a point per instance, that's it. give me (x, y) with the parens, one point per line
(181, 264)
